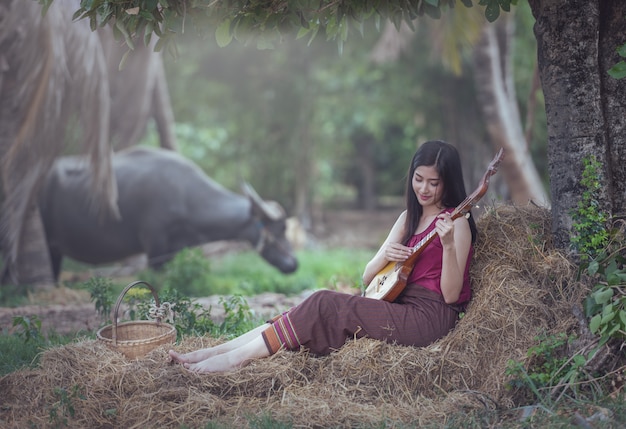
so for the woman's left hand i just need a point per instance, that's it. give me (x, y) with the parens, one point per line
(445, 229)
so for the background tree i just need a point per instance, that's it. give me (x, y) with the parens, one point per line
(39, 102)
(492, 68)
(577, 44)
(62, 93)
(327, 123)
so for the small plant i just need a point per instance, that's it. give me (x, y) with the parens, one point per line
(30, 327)
(618, 71)
(589, 220)
(101, 293)
(606, 305)
(550, 369)
(191, 318)
(602, 255)
(187, 272)
(237, 316)
(134, 297)
(64, 407)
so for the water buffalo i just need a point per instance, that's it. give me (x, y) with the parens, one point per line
(166, 203)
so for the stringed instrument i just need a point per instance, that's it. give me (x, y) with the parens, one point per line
(392, 279)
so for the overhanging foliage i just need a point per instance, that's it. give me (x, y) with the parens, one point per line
(262, 21)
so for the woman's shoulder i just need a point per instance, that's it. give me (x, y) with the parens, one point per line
(397, 231)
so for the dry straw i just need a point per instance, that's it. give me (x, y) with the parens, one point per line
(522, 288)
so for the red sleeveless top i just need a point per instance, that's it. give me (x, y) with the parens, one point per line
(427, 269)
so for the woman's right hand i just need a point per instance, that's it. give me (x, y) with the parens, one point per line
(396, 252)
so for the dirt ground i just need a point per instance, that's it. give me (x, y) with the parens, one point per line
(67, 310)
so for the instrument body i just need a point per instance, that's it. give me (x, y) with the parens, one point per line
(391, 280)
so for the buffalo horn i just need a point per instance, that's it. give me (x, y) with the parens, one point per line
(271, 209)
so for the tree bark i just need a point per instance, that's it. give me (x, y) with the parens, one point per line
(53, 76)
(612, 35)
(33, 266)
(497, 96)
(585, 107)
(363, 143)
(139, 92)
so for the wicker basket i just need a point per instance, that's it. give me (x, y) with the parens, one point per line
(136, 339)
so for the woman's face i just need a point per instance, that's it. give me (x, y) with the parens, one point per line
(427, 186)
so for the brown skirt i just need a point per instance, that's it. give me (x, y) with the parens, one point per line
(324, 321)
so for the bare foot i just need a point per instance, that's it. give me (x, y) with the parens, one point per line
(192, 357)
(232, 359)
(219, 363)
(203, 354)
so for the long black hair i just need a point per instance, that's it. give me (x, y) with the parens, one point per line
(445, 158)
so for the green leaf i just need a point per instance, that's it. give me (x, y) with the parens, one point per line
(147, 34)
(223, 36)
(492, 11)
(613, 331)
(433, 12)
(579, 360)
(622, 50)
(618, 71)
(594, 323)
(603, 296)
(590, 306)
(607, 315)
(123, 60)
(343, 26)
(302, 32)
(124, 31)
(505, 5)
(593, 267)
(313, 34)
(614, 278)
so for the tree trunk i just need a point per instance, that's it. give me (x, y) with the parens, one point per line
(497, 96)
(139, 92)
(364, 146)
(53, 77)
(585, 107)
(33, 266)
(612, 35)
(162, 109)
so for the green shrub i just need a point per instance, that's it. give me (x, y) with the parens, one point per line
(549, 366)
(602, 256)
(191, 318)
(589, 220)
(188, 272)
(101, 292)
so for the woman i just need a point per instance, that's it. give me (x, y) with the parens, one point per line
(438, 288)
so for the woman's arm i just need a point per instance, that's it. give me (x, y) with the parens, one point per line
(390, 250)
(456, 239)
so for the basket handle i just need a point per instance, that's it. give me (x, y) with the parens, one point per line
(119, 302)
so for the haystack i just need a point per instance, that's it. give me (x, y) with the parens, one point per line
(522, 288)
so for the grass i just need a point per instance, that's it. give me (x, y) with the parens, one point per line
(247, 274)
(17, 352)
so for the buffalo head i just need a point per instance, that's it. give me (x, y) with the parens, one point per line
(270, 224)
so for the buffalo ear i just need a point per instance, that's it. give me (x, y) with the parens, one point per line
(270, 209)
